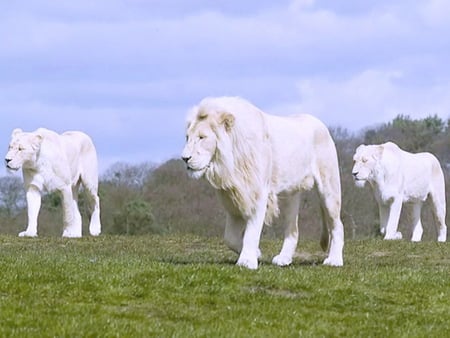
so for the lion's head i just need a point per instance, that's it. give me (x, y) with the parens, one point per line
(227, 143)
(365, 162)
(206, 130)
(23, 149)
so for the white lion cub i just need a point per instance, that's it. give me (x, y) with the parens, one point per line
(50, 161)
(397, 177)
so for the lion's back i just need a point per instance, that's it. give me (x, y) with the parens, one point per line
(299, 129)
(302, 146)
(81, 153)
(76, 142)
(423, 170)
(416, 172)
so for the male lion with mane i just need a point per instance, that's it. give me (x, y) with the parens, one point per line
(50, 161)
(259, 164)
(396, 177)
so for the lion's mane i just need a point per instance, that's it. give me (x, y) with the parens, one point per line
(241, 164)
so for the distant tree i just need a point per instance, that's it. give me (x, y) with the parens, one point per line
(181, 203)
(131, 176)
(120, 184)
(135, 218)
(411, 135)
(12, 195)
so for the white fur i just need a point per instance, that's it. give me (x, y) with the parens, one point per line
(56, 162)
(397, 177)
(259, 163)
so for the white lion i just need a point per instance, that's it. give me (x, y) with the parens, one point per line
(259, 164)
(50, 161)
(397, 177)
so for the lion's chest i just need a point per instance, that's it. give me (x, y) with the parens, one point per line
(47, 176)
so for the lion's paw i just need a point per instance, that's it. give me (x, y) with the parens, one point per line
(416, 239)
(247, 262)
(393, 237)
(71, 234)
(94, 232)
(282, 260)
(28, 234)
(442, 235)
(333, 261)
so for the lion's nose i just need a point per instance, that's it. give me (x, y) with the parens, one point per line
(7, 160)
(186, 158)
(355, 173)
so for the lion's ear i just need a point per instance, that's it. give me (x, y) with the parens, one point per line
(36, 141)
(16, 131)
(379, 151)
(360, 147)
(227, 120)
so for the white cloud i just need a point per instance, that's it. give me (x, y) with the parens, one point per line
(135, 67)
(367, 99)
(436, 12)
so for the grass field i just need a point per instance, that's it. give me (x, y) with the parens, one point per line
(186, 286)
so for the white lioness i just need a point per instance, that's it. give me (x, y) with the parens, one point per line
(50, 161)
(259, 163)
(397, 177)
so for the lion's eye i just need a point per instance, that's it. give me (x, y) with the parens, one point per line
(201, 137)
(364, 160)
(21, 148)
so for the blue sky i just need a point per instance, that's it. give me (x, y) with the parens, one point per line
(127, 71)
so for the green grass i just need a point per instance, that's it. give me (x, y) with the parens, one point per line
(186, 286)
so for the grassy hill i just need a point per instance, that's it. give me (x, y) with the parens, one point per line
(186, 286)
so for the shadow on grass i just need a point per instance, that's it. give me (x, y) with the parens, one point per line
(300, 259)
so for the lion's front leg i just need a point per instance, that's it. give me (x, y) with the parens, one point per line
(234, 233)
(252, 234)
(72, 217)
(394, 217)
(383, 211)
(33, 196)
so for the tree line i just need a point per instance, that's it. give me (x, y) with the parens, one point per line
(149, 198)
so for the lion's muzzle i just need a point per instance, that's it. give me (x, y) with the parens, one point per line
(9, 165)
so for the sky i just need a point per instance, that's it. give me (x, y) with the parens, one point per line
(127, 71)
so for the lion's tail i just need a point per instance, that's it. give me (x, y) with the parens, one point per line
(325, 236)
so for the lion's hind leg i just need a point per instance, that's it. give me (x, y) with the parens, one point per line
(289, 208)
(89, 180)
(95, 226)
(417, 223)
(439, 209)
(90, 184)
(72, 216)
(328, 188)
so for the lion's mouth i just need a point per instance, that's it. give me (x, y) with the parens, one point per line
(9, 167)
(190, 168)
(197, 172)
